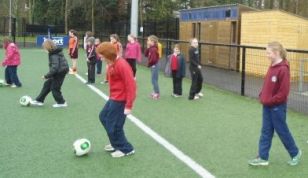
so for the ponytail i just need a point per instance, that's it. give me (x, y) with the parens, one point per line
(277, 47)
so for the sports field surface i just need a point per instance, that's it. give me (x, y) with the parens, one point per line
(219, 132)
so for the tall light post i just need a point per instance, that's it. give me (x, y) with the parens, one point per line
(10, 19)
(134, 18)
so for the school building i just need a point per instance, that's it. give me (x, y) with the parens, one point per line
(215, 24)
(239, 24)
(260, 28)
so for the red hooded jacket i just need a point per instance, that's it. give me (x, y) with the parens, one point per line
(276, 86)
(122, 83)
(152, 54)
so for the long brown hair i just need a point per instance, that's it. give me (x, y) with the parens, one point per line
(115, 36)
(74, 32)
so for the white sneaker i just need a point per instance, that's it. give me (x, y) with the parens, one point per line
(36, 103)
(119, 154)
(175, 95)
(60, 105)
(196, 97)
(200, 94)
(13, 86)
(109, 148)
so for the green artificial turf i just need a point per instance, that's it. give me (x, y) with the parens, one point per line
(220, 131)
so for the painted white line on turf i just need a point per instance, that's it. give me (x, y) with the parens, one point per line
(162, 141)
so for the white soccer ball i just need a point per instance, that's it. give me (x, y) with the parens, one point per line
(82, 147)
(25, 100)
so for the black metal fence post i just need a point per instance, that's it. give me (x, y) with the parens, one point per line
(13, 30)
(199, 48)
(243, 72)
(24, 38)
(167, 47)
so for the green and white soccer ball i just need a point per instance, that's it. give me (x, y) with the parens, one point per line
(82, 147)
(25, 100)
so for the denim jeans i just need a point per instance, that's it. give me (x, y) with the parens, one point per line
(155, 73)
(113, 118)
(274, 119)
(99, 65)
(11, 76)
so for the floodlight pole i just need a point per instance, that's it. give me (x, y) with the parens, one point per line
(10, 19)
(134, 18)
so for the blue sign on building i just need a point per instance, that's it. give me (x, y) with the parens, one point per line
(210, 13)
(61, 41)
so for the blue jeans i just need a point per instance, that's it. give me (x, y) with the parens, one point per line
(99, 64)
(113, 118)
(11, 76)
(155, 72)
(274, 119)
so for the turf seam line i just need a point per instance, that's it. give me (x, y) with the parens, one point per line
(197, 168)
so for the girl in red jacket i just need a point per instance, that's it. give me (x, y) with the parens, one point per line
(153, 58)
(11, 62)
(273, 96)
(122, 89)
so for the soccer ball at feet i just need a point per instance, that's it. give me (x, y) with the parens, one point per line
(82, 147)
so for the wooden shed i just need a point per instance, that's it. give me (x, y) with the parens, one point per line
(260, 28)
(215, 24)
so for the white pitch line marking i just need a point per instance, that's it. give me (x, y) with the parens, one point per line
(197, 168)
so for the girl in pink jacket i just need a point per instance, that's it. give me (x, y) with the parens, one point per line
(11, 62)
(133, 52)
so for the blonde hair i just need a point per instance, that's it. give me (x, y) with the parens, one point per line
(177, 46)
(7, 40)
(278, 47)
(153, 38)
(132, 36)
(193, 39)
(49, 45)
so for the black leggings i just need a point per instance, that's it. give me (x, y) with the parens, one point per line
(197, 81)
(132, 63)
(53, 85)
(177, 83)
(91, 72)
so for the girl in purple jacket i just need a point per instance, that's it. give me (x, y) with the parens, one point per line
(11, 61)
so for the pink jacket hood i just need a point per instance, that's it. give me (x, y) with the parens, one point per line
(12, 55)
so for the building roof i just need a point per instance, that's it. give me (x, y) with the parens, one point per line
(221, 12)
(217, 6)
(278, 10)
